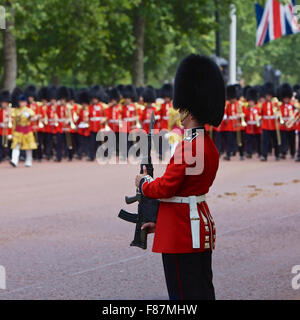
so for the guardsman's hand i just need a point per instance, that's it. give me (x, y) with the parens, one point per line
(149, 227)
(139, 177)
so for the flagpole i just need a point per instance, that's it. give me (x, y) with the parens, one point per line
(232, 57)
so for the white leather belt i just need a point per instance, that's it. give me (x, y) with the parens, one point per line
(194, 215)
(269, 117)
(251, 122)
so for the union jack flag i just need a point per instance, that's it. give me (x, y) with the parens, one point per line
(275, 20)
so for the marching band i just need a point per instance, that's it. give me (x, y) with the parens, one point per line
(56, 123)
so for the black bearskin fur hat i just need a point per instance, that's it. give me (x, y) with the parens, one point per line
(42, 94)
(51, 93)
(114, 94)
(17, 92)
(166, 91)
(232, 92)
(31, 91)
(63, 93)
(199, 88)
(84, 97)
(149, 95)
(129, 91)
(5, 96)
(285, 91)
(252, 94)
(269, 89)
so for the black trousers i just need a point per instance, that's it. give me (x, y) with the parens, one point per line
(253, 143)
(58, 144)
(219, 137)
(288, 142)
(2, 150)
(189, 276)
(269, 137)
(298, 144)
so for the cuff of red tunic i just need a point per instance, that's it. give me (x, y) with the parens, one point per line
(146, 179)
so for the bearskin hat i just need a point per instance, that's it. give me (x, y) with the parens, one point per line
(245, 89)
(31, 91)
(63, 93)
(140, 91)
(252, 94)
(269, 89)
(5, 96)
(166, 91)
(42, 94)
(114, 94)
(232, 92)
(260, 91)
(51, 93)
(239, 90)
(22, 97)
(129, 92)
(296, 87)
(149, 95)
(97, 92)
(199, 88)
(285, 91)
(84, 97)
(17, 92)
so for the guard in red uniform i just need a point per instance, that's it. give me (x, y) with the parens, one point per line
(252, 118)
(231, 116)
(269, 119)
(167, 95)
(130, 116)
(114, 114)
(185, 230)
(83, 124)
(5, 124)
(288, 136)
(97, 119)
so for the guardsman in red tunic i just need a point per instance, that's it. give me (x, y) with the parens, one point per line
(43, 122)
(54, 125)
(97, 119)
(114, 114)
(252, 118)
(185, 229)
(231, 126)
(5, 124)
(83, 124)
(167, 95)
(130, 117)
(288, 135)
(270, 124)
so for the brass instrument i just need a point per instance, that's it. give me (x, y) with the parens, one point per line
(70, 116)
(138, 123)
(275, 106)
(243, 123)
(86, 114)
(294, 117)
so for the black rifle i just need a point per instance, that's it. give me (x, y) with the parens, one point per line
(147, 208)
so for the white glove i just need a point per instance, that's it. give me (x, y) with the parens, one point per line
(26, 114)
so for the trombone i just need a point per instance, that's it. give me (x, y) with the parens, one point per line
(294, 116)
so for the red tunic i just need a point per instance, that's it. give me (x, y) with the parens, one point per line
(287, 111)
(146, 118)
(62, 116)
(164, 118)
(268, 116)
(83, 122)
(129, 116)
(232, 117)
(4, 119)
(173, 227)
(97, 117)
(113, 114)
(52, 116)
(251, 115)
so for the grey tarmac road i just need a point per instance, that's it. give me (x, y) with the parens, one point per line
(60, 237)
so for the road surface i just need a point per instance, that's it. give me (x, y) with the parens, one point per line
(60, 237)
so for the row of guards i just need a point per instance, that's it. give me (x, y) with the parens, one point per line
(260, 120)
(65, 123)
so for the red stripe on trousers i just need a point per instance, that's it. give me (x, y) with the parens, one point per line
(178, 278)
